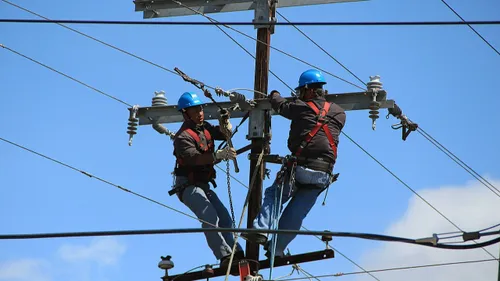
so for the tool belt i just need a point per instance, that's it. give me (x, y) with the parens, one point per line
(333, 178)
(197, 176)
(314, 164)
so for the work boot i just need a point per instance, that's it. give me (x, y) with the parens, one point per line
(224, 262)
(258, 238)
(268, 255)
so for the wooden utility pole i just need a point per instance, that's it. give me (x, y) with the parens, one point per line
(260, 140)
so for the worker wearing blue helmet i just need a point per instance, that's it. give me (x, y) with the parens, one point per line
(196, 157)
(313, 139)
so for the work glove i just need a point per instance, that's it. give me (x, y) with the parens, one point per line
(228, 153)
(226, 126)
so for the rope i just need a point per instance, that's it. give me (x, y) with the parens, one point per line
(278, 196)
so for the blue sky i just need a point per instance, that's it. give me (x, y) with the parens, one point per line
(443, 77)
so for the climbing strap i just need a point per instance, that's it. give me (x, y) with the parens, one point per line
(198, 141)
(287, 171)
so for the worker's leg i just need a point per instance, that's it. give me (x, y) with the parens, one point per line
(263, 219)
(302, 202)
(195, 199)
(224, 219)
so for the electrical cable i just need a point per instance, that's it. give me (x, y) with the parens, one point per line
(343, 255)
(367, 236)
(65, 75)
(261, 42)
(468, 24)
(407, 186)
(373, 23)
(171, 71)
(457, 160)
(105, 181)
(394, 269)
(321, 48)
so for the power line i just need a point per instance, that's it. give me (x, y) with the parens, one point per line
(407, 186)
(459, 162)
(125, 22)
(368, 236)
(322, 49)
(65, 75)
(266, 44)
(171, 71)
(346, 257)
(232, 39)
(103, 180)
(394, 269)
(100, 41)
(469, 24)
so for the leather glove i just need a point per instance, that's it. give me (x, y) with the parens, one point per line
(229, 126)
(227, 153)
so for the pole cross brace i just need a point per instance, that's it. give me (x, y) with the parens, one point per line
(263, 264)
(170, 114)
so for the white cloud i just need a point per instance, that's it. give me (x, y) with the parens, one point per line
(103, 251)
(472, 207)
(24, 270)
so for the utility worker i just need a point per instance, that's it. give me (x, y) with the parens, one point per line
(312, 141)
(194, 150)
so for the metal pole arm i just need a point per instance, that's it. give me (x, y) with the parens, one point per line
(169, 113)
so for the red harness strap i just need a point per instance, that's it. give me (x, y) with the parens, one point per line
(319, 125)
(198, 141)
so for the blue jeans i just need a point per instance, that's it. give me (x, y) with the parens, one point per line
(206, 205)
(302, 201)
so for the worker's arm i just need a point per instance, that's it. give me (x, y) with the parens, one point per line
(215, 131)
(185, 148)
(282, 106)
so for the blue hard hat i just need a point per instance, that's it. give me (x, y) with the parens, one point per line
(309, 77)
(188, 99)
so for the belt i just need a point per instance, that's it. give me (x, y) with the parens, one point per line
(181, 187)
(315, 164)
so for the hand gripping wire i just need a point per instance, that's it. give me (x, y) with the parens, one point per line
(223, 124)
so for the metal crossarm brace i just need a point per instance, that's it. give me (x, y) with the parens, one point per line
(263, 264)
(168, 8)
(169, 113)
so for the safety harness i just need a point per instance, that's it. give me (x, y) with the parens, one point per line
(195, 174)
(321, 123)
